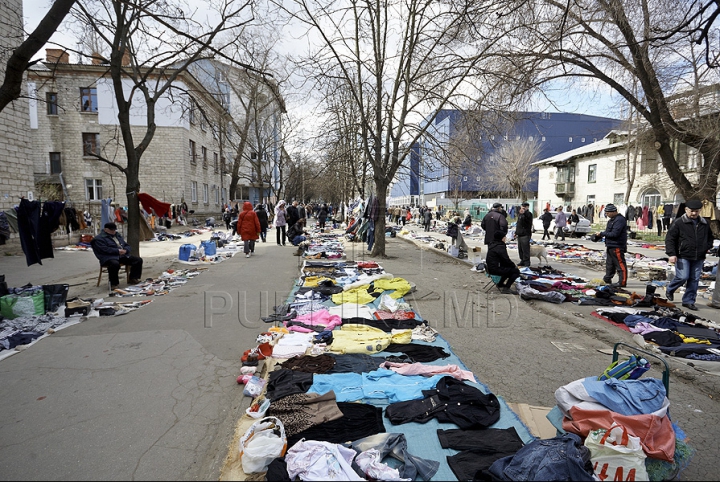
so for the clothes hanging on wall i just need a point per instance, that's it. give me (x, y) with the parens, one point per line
(28, 214)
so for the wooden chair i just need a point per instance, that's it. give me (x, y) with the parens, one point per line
(103, 269)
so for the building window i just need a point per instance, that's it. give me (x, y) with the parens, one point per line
(582, 139)
(191, 112)
(464, 178)
(88, 99)
(93, 189)
(648, 163)
(216, 162)
(217, 194)
(193, 153)
(206, 194)
(492, 137)
(651, 198)
(51, 100)
(203, 152)
(531, 138)
(55, 163)
(620, 169)
(543, 138)
(91, 142)
(592, 173)
(477, 179)
(193, 191)
(565, 182)
(224, 194)
(570, 139)
(618, 198)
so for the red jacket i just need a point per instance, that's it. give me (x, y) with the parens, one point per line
(248, 225)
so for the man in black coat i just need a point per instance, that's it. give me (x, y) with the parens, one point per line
(111, 250)
(547, 218)
(523, 231)
(686, 243)
(292, 214)
(499, 263)
(615, 235)
(494, 220)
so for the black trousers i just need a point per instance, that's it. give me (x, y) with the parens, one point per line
(280, 239)
(113, 267)
(558, 232)
(615, 263)
(524, 249)
(28, 215)
(507, 276)
(546, 232)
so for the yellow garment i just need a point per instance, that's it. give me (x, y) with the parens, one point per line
(707, 210)
(313, 281)
(357, 295)
(692, 339)
(366, 339)
(400, 285)
(660, 211)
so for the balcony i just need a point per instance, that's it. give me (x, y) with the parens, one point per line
(565, 189)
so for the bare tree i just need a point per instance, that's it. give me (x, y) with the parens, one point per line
(399, 60)
(149, 45)
(20, 59)
(509, 169)
(618, 43)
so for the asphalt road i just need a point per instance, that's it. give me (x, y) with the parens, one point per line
(152, 394)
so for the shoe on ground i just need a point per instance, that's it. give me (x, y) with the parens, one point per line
(135, 281)
(114, 287)
(690, 306)
(712, 305)
(669, 295)
(247, 255)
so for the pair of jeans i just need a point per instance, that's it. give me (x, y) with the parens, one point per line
(280, 239)
(395, 445)
(249, 246)
(560, 232)
(297, 240)
(687, 270)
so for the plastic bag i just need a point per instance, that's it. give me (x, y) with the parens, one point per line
(261, 444)
(28, 303)
(616, 455)
(254, 387)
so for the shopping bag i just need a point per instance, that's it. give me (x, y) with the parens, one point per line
(28, 303)
(616, 455)
(263, 442)
(630, 369)
(454, 251)
(55, 296)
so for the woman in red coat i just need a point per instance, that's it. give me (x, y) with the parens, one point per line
(248, 227)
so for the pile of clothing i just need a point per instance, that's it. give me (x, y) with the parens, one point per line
(354, 370)
(162, 285)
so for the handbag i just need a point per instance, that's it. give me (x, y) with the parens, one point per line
(263, 442)
(616, 455)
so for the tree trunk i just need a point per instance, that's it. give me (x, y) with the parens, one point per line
(381, 188)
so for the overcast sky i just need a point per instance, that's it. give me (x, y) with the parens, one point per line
(596, 101)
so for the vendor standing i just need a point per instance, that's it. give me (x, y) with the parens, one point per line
(523, 231)
(616, 243)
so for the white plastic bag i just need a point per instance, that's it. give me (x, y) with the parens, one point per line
(261, 445)
(616, 455)
(454, 251)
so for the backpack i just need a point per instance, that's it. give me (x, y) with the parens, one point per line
(452, 230)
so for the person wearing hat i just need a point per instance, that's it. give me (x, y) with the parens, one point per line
(523, 231)
(615, 235)
(499, 263)
(494, 220)
(111, 250)
(686, 244)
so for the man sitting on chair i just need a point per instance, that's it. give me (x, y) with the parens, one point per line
(498, 263)
(112, 251)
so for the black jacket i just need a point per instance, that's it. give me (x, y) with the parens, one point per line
(686, 240)
(497, 257)
(105, 247)
(524, 224)
(493, 221)
(262, 217)
(616, 233)
(292, 215)
(547, 218)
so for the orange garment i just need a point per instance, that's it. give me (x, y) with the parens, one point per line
(656, 434)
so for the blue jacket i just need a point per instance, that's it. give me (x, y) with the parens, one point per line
(105, 247)
(616, 233)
